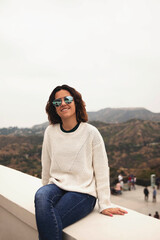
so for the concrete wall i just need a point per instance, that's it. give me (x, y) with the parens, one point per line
(12, 228)
(17, 220)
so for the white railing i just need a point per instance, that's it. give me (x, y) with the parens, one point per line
(17, 219)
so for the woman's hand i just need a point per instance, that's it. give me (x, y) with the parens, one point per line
(111, 211)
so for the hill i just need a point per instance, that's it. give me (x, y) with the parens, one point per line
(133, 147)
(118, 115)
(22, 153)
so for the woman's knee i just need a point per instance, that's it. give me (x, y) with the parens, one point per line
(38, 195)
(41, 193)
(48, 193)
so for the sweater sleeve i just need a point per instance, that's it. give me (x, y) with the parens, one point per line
(45, 159)
(101, 171)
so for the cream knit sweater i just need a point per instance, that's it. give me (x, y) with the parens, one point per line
(77, 161)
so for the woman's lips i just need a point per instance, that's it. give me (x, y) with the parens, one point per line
(64, 109)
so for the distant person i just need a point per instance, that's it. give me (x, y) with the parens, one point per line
(150, 214)
(154, 194)
(118, 188)
(134, 182)
(120, 178)
(146, 193)
(122, 184)
(129, 182)
(156, 215)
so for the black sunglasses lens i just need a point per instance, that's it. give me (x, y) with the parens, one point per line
(68, 99)
(57, 102)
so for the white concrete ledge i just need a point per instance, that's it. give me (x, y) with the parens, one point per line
(17, 220)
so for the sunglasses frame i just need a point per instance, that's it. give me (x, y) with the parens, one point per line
(58, 102)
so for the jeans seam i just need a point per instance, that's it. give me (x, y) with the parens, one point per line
(55, 197)
(74, 206)
(54, 215)
(55, 221)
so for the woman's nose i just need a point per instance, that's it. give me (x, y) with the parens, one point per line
(63, 102)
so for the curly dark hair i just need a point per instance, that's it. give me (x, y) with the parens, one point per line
(81, 113)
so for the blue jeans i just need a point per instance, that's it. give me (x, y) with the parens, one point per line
(56, 209)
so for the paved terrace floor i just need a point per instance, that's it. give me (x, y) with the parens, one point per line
(134, 200)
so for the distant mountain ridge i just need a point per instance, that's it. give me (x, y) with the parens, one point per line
(116, 115)
(119, 115)
(106, 115)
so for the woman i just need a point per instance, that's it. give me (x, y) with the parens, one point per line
(74, 167)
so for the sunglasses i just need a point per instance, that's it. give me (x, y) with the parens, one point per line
(57, 102)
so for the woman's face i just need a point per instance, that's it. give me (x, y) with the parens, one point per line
(65, 111)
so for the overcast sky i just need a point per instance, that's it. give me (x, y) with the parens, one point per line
(109, 50)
